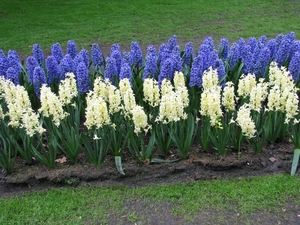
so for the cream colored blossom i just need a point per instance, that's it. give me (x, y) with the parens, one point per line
(151, 92)
(171, 108)
(96, 112)
(245, 121)
(246, 83)
(139, 118)
(210, 105)
(129, 100)
(124, 86)
(100, 89)
(258, 95)
(1, 114)
(291, 106)
(51, 105)
(274, 99)
(31, 124)
(180, 88)
(228, 97)
(210, 78)
(67, 89)
(178, 80)
(114, 99)
(166, 87)
(280, 77)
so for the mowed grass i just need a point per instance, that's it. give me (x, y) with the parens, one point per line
(24, 23)
(183, 202)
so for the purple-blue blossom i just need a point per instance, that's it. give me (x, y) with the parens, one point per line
(172, 43)
(166, 71)
(14, 60)
(252, 43)
(83, 80)
(39, 78)
(52, 69)
(110, 72)
(97, 57)
(12, 75)
(38, 54)
(197, 71)
(85, 55)
(66, 65)
(57, 52)
(188, 54)
(219, 65)
(136, 54)
(78, 59)
(177, 61)
(233, 55)
(263, 61)
(272, 46)
(125, 72)
(282, 52)
(31, 63)
(72, 48)
(247, 60)
(223, 49)
(210, 43)
(116, 54)
(204, 50)
(294, 67)
(150, 69)
(3, 64)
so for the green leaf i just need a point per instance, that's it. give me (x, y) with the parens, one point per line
(156, 160)
(295, 161)
(118, 162)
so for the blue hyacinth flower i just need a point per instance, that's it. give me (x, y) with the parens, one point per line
(125, 72)
(97, 57)
(3, 64)
(53, 70)
(38, 54)
(39, 78)
(197, 72)
(12, 75)
(150, 69)
(188, 53)
(66, 65)
(14, 60)
(111, 72)
(72, 48)
(31, 63)
(57, 52)
(166, 71)
(294, 67)
(83, 80)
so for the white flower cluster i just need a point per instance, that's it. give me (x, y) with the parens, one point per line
(114, 98)
(283, 93)
(127, 95)
(51, 105)
(19, 108)
(181, 89)
(67, 89)
(210, 105)
(245, 121)
(96, 112)
(173, 102)
(228, 97)
(246, 83)
(258, 95)
(210, 78)
(210, 102)
(151, 92)
(139, 118)
(171, 108)
(100, 89)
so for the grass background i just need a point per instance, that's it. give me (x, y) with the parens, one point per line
(24, 23)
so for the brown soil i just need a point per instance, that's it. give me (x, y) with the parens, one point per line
(276, 158)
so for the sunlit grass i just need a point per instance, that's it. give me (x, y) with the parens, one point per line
(25, 23)
(90, 205)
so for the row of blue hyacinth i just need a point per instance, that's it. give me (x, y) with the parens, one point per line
(254, 56)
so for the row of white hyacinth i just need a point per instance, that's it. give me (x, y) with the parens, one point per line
(257, 111)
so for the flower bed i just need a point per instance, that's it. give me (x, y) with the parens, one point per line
(81, 102)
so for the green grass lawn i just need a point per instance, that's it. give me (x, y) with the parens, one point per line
(185, 202)
(24, 23)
